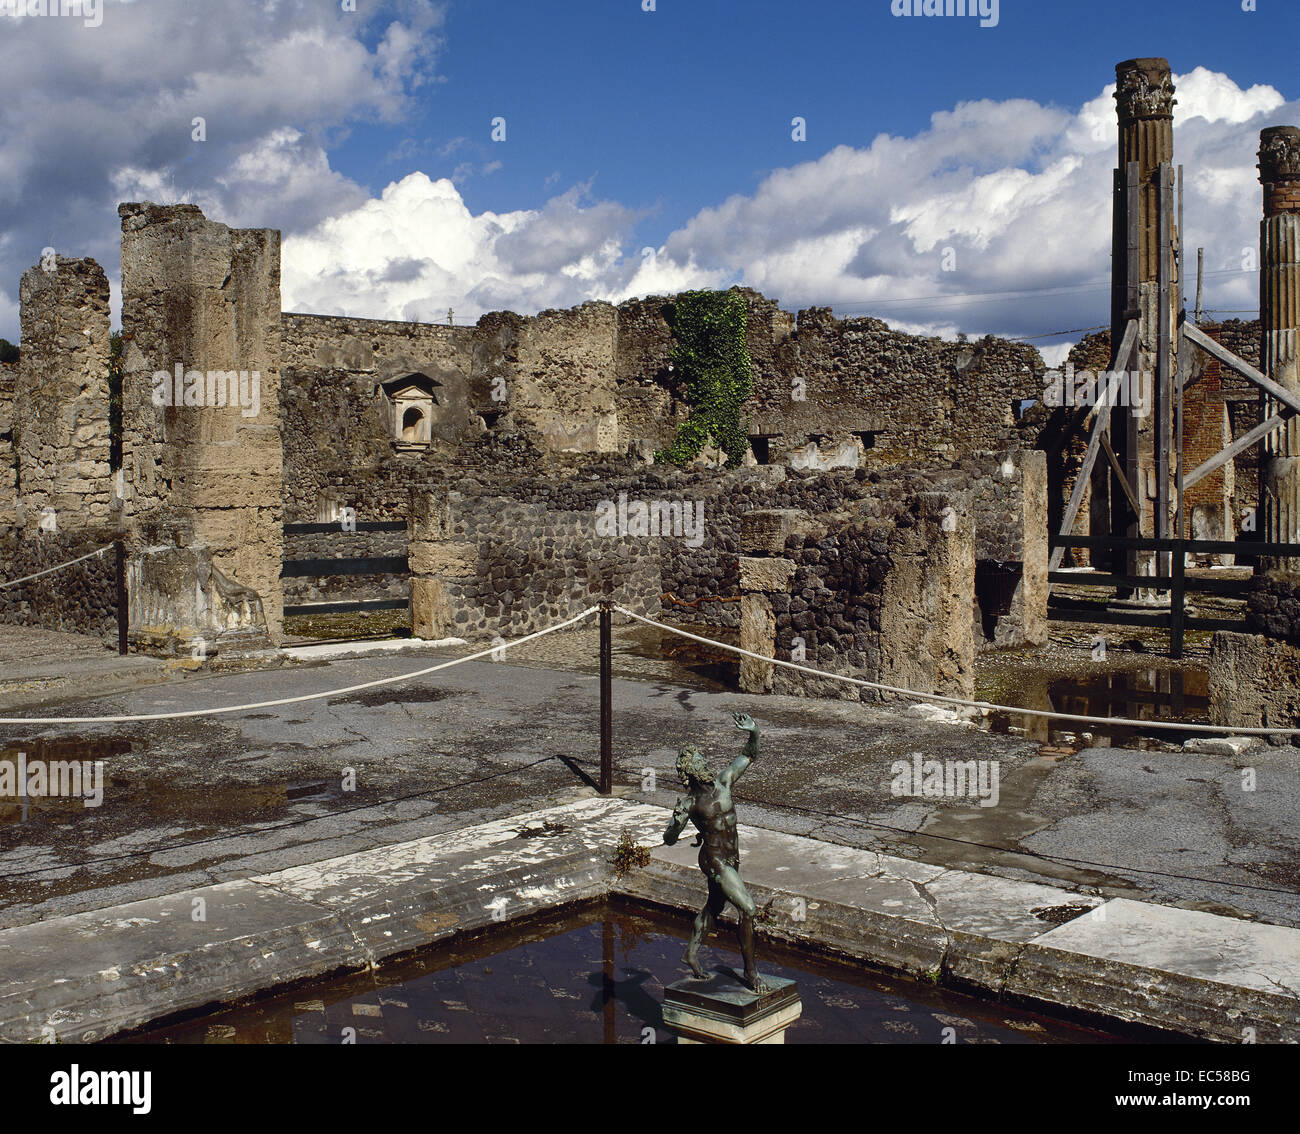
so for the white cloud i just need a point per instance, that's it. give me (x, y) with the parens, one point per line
(107, 113)
(1012, 196)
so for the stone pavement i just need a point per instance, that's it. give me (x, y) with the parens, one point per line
(1194, 973)
(197, 802)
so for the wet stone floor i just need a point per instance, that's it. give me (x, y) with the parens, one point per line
(594, 976)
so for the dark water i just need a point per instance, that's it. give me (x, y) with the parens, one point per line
(1137, 694)
(595, 977)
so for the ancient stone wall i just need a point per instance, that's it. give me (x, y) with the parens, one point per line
(557, 374)
(884, 595)
(81, 598)
(849, 392)
(201, 302)
(8, 454)
(338, 446)
(60, 408)
(484, 566)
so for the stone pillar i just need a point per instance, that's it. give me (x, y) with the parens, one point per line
(1144, 102)
(765, 579)
(205, 299)
(439, 562)
(1279, 317)
(60, 414)
(927, 639)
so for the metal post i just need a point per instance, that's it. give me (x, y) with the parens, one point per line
(119, 570)
(1176, 599)
(1164, 358)
(606, 700)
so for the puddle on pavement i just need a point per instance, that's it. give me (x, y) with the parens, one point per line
(714, 669)
(594, 976)
(60, 774)
(163, 798)
(1138, 694)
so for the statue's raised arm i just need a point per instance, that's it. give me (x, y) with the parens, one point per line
(736, 768)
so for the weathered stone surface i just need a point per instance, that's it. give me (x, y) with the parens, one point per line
(1254, 681)
(60, 410)
(445, 559)
(765, 574)
(207, 298)
(758, 636)
(766, 530)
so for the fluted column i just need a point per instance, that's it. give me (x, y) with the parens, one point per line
(1144, 97)
(1279, 317)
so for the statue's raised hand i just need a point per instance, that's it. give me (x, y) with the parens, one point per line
(744, 722)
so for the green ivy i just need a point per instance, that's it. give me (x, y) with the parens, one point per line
(712, 361)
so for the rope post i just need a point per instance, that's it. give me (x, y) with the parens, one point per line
(119, 555)
(606, 700)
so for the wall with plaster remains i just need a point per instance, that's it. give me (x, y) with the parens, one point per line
(207, 298)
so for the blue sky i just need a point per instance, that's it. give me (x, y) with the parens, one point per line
(645, 151)
(678, 108)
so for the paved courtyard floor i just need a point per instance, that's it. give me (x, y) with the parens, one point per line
(196, 801)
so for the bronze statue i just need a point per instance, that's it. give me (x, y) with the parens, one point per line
(710, 808)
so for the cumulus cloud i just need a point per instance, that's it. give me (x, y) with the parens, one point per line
(995, 219)
(107, 114)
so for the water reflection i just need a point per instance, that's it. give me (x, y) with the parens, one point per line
(1141, 694)
(595, 977)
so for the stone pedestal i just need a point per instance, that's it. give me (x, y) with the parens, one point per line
(722, 1010)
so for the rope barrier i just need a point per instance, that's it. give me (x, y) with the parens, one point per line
(501, 646)
(984, 705)
(60, 567)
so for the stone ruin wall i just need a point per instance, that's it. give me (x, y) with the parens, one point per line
(594, 382)
(337, 444)
(583, 388)
(61, 403)
(204, 479)
(79, 599)
(56, 500)
(870, 587)
(8, 455)
(883, 594)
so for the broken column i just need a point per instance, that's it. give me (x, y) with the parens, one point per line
(1279, 317)
(1144, 101)
(61, 403)
(201, 430)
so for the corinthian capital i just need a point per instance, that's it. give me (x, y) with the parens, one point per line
(1144, 89)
